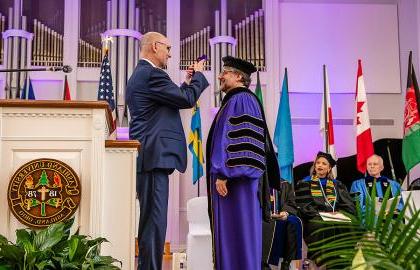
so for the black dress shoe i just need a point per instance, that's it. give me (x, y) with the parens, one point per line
(285, 265)
(265, 266)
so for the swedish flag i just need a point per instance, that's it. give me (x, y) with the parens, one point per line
(195, 143)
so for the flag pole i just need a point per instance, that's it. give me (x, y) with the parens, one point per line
(65, 85)
(416, 86)
(325, 110)
(198, 188)
(391, 164)
(27, 87)
(409, 76)
(287, 89)
(415, 83)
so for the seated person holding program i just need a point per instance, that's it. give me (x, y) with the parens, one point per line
(320, 192)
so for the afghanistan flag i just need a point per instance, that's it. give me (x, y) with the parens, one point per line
(411, 140)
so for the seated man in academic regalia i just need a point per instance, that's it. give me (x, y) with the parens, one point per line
(282, 237)
(363, 187)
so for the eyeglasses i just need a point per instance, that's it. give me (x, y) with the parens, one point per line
(168, 48)
(225, 71)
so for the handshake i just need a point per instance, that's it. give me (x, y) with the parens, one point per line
(197, 66)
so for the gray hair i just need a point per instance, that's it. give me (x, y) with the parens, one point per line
(246, 79)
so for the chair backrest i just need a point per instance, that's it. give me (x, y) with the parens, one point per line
(414, 200)
(197, 211)
(415, 185)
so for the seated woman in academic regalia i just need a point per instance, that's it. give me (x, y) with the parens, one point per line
(282, 237)
(363, 187)
(320, 192)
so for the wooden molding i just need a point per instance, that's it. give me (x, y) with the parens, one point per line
(71, 104)
(122, 144)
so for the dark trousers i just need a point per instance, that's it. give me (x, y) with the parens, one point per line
(152, 192)
(282, 239)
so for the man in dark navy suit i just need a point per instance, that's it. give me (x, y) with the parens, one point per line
(154, 102)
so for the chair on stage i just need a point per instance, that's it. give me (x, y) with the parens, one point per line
(199, 252)
(414, 201)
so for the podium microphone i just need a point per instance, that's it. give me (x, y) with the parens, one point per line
(65, 69)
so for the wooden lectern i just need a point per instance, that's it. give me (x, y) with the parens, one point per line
(75, 133)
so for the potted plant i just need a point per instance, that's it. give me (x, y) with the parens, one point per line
(373, 239)
(53, 248)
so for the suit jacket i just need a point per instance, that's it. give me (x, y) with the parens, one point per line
(154, 102)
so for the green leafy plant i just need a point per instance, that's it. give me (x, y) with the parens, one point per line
(372, 240)
(53, 248)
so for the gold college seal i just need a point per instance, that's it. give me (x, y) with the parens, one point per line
(44, 191)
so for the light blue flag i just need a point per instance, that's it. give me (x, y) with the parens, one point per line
(195, 144)
(283, 134)
(30, 89)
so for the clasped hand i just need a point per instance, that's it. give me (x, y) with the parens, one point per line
(282, 215)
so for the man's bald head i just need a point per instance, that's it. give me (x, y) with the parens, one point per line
(155, 47)
(149, 38)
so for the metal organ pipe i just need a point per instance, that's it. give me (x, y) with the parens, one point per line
(251, 39)
(229, 32)
(208, 48)
(130, 48)
(2, 26)
(261, 40)
(257, 39)
(22, 58)
(114, 45)
(122, 61)
(216, 60)
(136, 41)
(203, 42)
(9, 58)
(223, 26)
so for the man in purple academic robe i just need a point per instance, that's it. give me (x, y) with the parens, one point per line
(239, 152)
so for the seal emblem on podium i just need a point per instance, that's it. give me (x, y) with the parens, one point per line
(44, 191)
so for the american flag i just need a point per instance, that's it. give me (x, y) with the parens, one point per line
(105, 90)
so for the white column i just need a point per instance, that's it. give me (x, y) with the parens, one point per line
(70, 41)
(4, 228)
(173, 26)
(97, 172)
(173, 29)
(272, 59)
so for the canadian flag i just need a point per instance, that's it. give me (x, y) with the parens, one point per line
(364, 134)
(326, 113)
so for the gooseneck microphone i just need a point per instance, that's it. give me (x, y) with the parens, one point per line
(65, 69)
